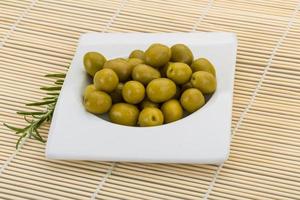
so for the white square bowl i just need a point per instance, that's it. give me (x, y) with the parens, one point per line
(202, 137)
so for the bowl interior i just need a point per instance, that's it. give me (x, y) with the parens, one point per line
(88, 80)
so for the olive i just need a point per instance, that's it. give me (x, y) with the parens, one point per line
(157, 55)
(106, 80)
(192, 99)
(181, 53)
(133, 92)
(134, 62)
(116, 95)
(151, 117)
(137, 54)
(93, 62)
(180, 73)
(172, 110)
(124, 114)
(122, 68)
(97, 102)
(204, 81)
(89, 89)
(160, 90)
(147, 103)
(202, 64)
(144, 73)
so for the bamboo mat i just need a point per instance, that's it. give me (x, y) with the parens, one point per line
(39, 37)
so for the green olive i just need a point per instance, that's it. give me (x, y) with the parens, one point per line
(124, 114)
(192, 99)
(204, 81)
(89, 89)
(172, 110)
(133, 92)
(181, 53)
(106, 80)
(151, 117)
(160, 90)
(137, 54)
(144, 73)
(116, 95)
(121, 67)
(93, 62)
(97, 102)
(134, 62)
(157, 55)
(147, 103)
(180, 73)
(202, 64)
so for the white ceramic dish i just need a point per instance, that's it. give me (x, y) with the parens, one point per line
(203, 137)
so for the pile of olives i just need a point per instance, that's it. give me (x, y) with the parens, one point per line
(149, 88)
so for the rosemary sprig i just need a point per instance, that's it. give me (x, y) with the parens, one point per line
(36, 119)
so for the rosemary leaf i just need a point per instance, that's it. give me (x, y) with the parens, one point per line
(37, 134)
(40, 122)
(30, 113)
(51, 88)
(37, 138)
(36, 116)
(59, 81)
(40, 103)
(53, 93)
(48, 98)
(27, 120)
(13, 128)
(56, 75)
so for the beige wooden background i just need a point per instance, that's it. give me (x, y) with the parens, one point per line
(39, 37)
